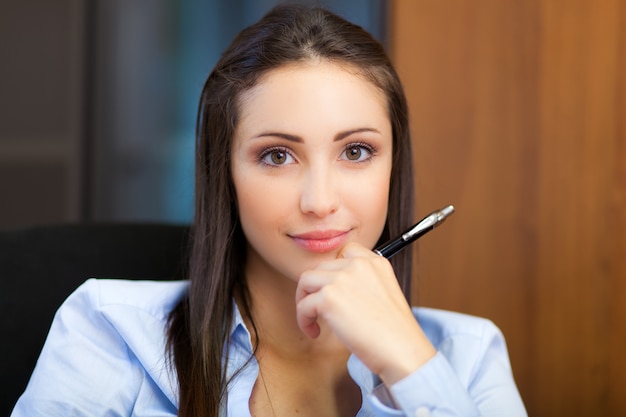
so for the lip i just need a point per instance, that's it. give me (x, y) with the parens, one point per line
(321, 241)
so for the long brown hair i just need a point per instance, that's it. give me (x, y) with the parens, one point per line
(199, 325)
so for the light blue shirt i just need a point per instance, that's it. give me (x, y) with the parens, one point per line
(105, 356)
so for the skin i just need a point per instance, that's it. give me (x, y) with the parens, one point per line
(311, 164)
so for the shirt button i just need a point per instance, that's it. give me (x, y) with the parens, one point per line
(422, 412)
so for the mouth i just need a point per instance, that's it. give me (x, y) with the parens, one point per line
(321, 241)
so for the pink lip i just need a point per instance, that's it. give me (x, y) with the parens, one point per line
(321, 241)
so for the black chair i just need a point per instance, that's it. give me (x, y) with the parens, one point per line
(41, 266)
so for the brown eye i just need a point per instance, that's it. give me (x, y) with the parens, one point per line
(357, 152)
(353, 153)
(278, 157)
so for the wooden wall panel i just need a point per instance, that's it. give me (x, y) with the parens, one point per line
(518, 113)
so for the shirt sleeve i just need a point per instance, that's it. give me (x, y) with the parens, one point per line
(469, 376)
(85, 367)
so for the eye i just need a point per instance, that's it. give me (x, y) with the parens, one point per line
(357, 152)
(276, 157)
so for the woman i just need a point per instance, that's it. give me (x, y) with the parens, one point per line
(303, 166)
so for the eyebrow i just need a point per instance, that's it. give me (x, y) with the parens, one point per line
(339, 136)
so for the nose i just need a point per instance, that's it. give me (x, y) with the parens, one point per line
(320, 192)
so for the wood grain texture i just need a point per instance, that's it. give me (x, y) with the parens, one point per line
(518, 115)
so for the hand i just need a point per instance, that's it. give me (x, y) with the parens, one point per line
(358, 298)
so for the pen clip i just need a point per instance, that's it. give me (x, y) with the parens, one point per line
(427, 224)
(430, 221)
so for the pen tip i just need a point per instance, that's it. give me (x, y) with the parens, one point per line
(446, 211)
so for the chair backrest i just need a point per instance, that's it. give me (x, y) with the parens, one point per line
(40, 267)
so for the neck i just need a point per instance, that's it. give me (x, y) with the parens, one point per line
(273, 309)
(295, 372)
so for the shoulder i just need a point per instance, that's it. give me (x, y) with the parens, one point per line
(108, 337)
(135, 311)
(130, 315)
(156, 298)
(466, 341)
(442, 324)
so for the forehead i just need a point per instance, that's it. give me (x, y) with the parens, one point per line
(318, 66)
(303, 86)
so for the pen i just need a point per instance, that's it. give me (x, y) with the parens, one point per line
(427, 224)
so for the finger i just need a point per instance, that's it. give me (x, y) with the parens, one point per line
(332, 265)
(307, 315)
(309, 282)
(314, 280)
(355, 250)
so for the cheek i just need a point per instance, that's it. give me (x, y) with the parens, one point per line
(368, 199)
(379, 203)
(259, 203)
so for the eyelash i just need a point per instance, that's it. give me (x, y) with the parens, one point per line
(268, 151)
(369, 148)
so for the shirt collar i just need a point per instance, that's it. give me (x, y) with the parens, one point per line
(241, 339)
(239, 333)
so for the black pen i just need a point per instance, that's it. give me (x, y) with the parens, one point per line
(427, 224)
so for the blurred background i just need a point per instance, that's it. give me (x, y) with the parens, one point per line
(98, 102)
(518, 113)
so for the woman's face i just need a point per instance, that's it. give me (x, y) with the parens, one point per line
(311, 165)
